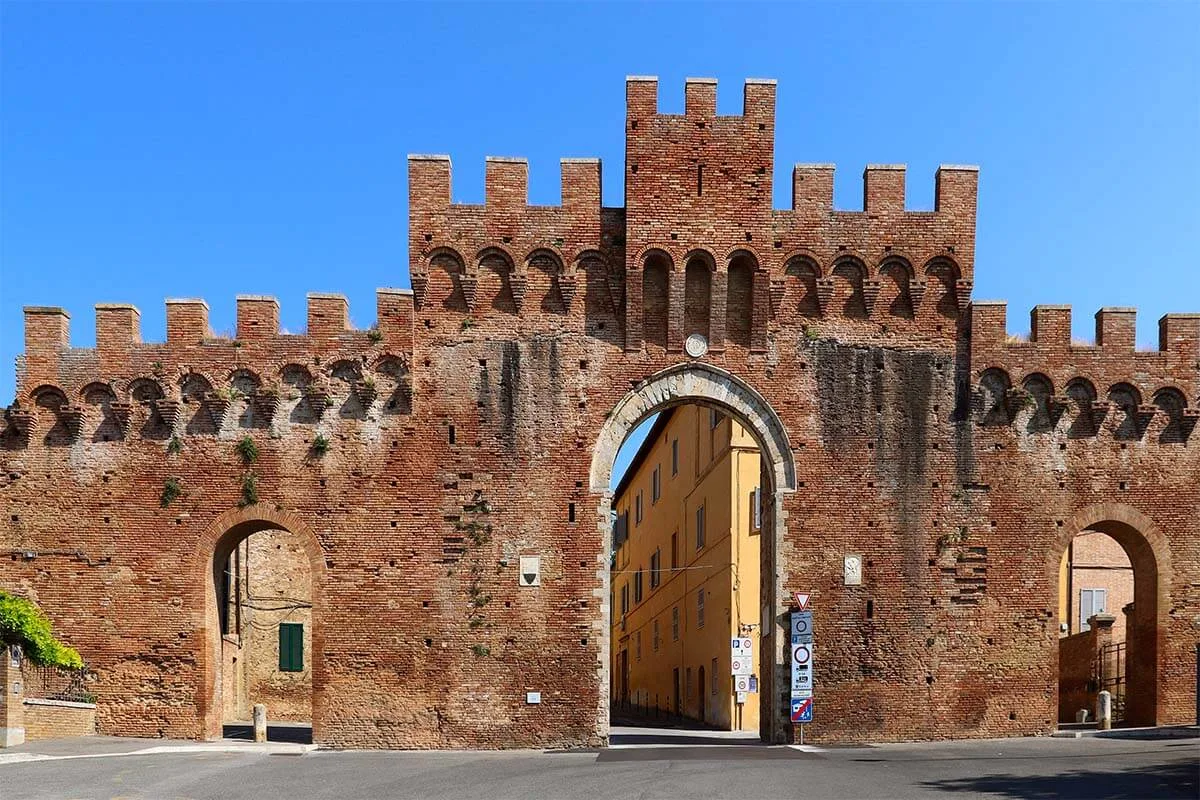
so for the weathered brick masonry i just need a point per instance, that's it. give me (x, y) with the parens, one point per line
(900, 422)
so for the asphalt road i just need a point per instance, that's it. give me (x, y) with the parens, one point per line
(665, 768)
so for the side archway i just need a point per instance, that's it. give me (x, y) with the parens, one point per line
(212, 550)
(1149, 555)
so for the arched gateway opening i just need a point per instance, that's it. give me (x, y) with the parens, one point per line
(261, 642)
(711, 387)
(1111, 566)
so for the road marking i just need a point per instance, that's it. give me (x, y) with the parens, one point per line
(267, 749)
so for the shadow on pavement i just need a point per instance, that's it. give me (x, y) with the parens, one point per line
(290, 733)
(1178, 779)
(678, 738)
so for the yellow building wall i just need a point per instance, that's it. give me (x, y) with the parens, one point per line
(663, 643)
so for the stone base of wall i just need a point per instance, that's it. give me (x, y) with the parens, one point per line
(57, 719)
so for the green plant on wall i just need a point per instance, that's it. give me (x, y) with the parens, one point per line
(23, 623)
(320, 444)
(247, 450)
(375, 335)
(175, 446)
(249, 490)
(468, 323)
(172, 488)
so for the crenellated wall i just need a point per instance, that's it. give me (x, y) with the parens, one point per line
(126, 384)
(417, 461)
(1109, 387)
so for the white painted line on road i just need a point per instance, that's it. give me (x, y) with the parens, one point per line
(807, 748)
(255, 749)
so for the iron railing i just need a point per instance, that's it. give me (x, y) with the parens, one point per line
(56, 683)
(1110, 672)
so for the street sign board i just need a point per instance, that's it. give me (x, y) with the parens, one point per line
(802, 654)
(742, 647)
(741, 683)
(741, 698)
(802, 709)
(742, 665)
(802, 669)
(801, 599)
(802, 625)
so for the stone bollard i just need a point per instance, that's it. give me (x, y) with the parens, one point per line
(260, 722)
(1104, 711)
(1081, 715)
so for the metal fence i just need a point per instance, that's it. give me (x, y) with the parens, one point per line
(1110, 674)
(56, 683)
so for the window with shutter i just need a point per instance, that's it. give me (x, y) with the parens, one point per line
(291, 647)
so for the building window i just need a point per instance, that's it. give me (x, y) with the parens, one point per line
(675, 624)
(714, 676)
(700, 608)
(637, 586)
(689, 683)
(674, 457)
(674, 551)
(655, 568)
(637, 645)
(624, 598)
(654, 638)
(637, 508)
(699, 527)
(621, 530)
(756, 509)
(1091, 601)
(291, 647)
(656, 484)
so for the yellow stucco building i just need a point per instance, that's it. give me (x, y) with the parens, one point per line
(685, 569)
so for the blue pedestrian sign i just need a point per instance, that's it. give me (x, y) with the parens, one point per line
(802, 708)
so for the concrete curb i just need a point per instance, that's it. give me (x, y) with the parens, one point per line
(1171, 732)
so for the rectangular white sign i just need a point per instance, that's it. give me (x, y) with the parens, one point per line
(742, 647)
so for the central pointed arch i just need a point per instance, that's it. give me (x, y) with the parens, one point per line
(695, 383)
(706, 385)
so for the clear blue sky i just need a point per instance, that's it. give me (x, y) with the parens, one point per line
(212, 149)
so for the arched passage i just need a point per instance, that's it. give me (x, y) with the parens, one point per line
(216, 544)
(1149, 556)
(706, 385)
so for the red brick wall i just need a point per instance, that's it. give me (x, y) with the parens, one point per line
(524, 330)
(45, 719)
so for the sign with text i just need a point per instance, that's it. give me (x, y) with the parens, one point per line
(802, 663)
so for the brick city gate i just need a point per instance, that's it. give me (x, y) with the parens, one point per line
(427, 454)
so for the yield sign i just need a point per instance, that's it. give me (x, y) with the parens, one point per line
(801, 599)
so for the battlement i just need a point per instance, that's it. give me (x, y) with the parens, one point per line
(700, 100)
(1050, 371)
(460, 235)
(506, 185)
(955, 189)
(120, 354)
